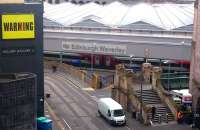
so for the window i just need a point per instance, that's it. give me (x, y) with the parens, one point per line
(119, 112)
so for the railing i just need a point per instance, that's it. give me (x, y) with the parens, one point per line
(174, 81)
(175, 74)
(119, 30)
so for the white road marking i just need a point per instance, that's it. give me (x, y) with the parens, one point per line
(67, 124)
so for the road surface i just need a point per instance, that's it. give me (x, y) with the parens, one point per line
(75, 106)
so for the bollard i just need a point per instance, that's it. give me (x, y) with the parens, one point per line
(159, 118)
(167, 117)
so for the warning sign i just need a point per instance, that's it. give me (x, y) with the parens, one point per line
(18, 26)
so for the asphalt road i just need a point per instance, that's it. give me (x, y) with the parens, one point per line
(75, 107)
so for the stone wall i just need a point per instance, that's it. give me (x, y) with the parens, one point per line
(75, 72)
(195, 63)
(123, 92)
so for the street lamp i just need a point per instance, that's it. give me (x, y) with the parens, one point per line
(182, 44)
(141, 91)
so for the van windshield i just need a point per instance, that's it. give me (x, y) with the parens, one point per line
(118, 112)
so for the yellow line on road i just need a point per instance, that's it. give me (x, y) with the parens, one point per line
(55, 118)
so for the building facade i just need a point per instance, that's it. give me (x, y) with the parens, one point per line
(195, 64)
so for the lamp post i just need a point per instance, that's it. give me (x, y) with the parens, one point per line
(141, 91)
(61, 57)
(182, 44)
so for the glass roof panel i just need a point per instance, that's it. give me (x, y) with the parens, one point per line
(116, 12)
(166, 16)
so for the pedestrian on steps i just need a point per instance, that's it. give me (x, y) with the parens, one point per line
(153, 112)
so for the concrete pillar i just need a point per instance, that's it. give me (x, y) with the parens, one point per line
(83, 74)
(119, 93)
(156, 72)
(195, 62)
(146, 68)
(95, 81)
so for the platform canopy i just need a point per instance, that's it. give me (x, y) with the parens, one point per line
(166, 16)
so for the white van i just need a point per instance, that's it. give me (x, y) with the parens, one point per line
(112, 111)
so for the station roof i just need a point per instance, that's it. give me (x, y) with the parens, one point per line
(165, 16)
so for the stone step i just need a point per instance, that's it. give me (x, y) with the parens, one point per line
(156, 98)
(146, 92)
(153, 96)
(157, 115)
(164, 117)
(157, 101)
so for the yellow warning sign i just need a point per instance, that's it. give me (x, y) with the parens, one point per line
(18, 26)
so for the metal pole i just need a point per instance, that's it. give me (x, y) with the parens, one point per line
(168, 77)
(92, 51)
(141, 102)
(61, 57)
(92, 61)
(160, 63)
(167, 117)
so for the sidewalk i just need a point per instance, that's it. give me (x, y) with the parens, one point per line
(133, 124)
(49, 113)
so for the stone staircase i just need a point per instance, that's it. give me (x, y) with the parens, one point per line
(151, 98)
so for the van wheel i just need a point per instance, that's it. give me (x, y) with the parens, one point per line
(124, 123)
(99, 113)
(111, 122)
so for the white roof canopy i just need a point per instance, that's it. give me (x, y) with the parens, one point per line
(166, 16)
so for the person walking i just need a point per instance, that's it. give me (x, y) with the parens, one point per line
(179, 117)
(153, 112)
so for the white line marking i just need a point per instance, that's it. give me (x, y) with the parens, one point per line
(67, 124)
(128, 128)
